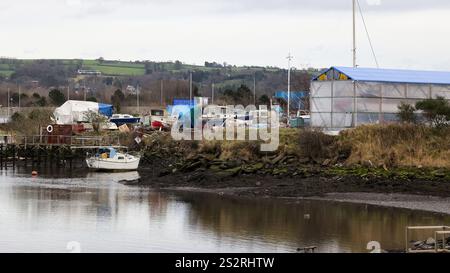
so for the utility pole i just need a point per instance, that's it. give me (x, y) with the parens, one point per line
(68, 92)
(190, 88)
(354, 33)
(289, 57)
(19, 97)
(254, 89)
(84, 89)
(9, 101)
(137, 97)
(162, 90)
(212, 93)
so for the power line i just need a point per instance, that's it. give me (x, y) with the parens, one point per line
(368, 35)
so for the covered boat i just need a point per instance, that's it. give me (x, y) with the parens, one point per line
(110, 159)
(74, 111)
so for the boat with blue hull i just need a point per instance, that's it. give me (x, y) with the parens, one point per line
(121, 119)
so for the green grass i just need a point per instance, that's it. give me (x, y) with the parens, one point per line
(5, 67)
(129, 68)
(115, 68)
(123, 64)
(6, 73)
(117, 71)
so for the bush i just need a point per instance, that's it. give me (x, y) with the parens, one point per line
(41, 102)
(406, 113)
(30, 124)
(314, 144)
(397, 145)
(437, 111)
(57, 97)
(17, 117)
(93, 99)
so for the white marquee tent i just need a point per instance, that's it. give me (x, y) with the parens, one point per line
(73, 111)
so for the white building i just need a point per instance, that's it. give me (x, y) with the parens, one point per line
(343, 97)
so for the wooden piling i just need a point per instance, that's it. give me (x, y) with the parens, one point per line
(1, 156)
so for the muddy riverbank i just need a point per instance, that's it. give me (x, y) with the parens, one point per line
(404, 201)
(310, 182)
(307, 164)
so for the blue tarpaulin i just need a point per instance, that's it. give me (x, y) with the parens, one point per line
(105, 109)
(296, 98)
(393, 75)
(183, 102)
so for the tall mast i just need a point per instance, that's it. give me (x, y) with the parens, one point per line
(354, 33)
(289, 57)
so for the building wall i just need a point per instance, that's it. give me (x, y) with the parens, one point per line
(337, 105)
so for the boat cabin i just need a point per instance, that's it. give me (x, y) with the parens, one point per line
(106, 153)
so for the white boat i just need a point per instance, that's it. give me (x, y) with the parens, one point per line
(121, 119)
(108, 159)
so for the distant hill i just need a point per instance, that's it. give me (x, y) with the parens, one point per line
(102, 77)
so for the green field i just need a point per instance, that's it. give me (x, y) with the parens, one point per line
(6, 70)
(115, 68)
(6, 73)
(124, 68)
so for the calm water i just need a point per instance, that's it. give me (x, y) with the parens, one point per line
(43, 214)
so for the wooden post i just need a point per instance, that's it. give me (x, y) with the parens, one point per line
(39, 155)
(71, 158)
(24, 154)
(14, 156)
(1, 156)
(45, 149)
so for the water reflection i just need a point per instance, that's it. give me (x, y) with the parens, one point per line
(42, 214)
(333, 227)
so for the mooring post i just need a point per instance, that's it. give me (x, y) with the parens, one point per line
(32, 155)
(70, 158)
(1, 156)
(45, 149)
(14, 156)
(38, 155)
(24, 154)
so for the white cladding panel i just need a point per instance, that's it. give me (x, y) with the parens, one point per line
(332, 102)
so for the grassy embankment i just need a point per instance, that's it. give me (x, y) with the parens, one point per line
(396, 151)
(404, 151)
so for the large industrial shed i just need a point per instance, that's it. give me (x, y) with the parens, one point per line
(344, 97)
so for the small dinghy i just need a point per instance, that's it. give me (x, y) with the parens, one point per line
(109, 159)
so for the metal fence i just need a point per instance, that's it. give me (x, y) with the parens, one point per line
(72, 141)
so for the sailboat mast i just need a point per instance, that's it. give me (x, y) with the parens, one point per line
(354, 33)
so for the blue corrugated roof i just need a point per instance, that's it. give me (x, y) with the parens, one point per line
(395, 75)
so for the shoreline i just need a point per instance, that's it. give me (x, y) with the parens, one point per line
(414, 194)
(433, 204)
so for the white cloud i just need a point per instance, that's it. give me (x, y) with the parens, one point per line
(373, 2)
(239, 32)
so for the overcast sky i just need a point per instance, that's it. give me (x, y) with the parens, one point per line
(405, 33)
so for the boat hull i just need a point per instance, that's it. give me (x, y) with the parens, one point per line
(100, 164)
(122, 121)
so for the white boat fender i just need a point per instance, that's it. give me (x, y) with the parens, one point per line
(50, 128)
